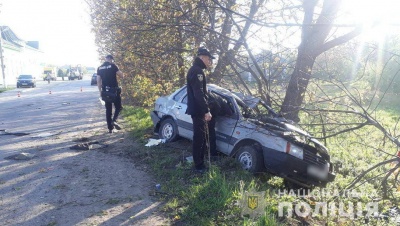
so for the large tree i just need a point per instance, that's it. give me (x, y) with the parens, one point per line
(156, 41)
(315, 40)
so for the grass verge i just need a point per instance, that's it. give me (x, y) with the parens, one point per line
(4, 89)
(218, 197)
(213, 198)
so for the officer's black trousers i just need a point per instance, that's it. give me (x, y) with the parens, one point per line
(109, 116)
(200, 137)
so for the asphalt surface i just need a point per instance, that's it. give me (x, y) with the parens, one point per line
(57, 184)
(36, 112)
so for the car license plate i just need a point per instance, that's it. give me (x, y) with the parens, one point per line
(24, 84)
(319, 173)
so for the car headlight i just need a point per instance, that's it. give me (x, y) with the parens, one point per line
(294, 150)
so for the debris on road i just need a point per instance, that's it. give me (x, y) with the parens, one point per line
(5, 132)
(88, 146)
(21, 156)
(154, 142)
(43, 135)
(81, 147)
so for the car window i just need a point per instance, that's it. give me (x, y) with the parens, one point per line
(231, 106)
(180, 94)
(25, 76)
(184, 101)
(242, 108)
(220, 104)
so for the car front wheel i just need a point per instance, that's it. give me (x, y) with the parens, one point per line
(250, 158)
(168, 130)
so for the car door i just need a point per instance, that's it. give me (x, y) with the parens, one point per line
(225, 126)
(184, 121)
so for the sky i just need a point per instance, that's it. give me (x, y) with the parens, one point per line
(62, 28)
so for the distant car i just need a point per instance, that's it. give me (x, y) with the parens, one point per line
(52, 77)
(74, 73)
(26, 81)
(249, 130)
(94, 79)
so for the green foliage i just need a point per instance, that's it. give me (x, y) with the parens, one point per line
(158, 41)
(362, 123)
(154, 44)
(209, 199)
(142, 91)
(3, 89)
(212, 199)
(60, 73)
(268, 219)
(138, 119)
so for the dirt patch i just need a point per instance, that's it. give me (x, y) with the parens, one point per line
(91, 186)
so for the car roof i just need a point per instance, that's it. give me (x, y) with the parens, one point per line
(219, 89)
(249, 100)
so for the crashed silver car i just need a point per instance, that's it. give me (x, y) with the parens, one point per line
(253, 133)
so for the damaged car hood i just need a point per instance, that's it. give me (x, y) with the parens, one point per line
(281, 126)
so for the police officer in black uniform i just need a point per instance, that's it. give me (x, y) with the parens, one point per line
(198, 107)
(107, 76)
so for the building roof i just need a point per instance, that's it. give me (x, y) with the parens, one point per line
(9, 36)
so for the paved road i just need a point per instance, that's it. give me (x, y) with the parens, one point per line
(60, 185)
(39, 113)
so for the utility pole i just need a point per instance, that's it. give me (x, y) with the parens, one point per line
(2, 61)
(1, 53)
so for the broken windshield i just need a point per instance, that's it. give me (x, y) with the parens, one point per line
(254, 108)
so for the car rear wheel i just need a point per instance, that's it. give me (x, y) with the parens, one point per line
(168, 130)
(250, 158)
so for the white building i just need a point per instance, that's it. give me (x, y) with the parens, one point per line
(19, 57)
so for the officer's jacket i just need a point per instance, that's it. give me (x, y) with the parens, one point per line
(197, 89)
(108, 73)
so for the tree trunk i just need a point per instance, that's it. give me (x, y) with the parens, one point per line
(314, 41)
(297, 87)
(181, 61)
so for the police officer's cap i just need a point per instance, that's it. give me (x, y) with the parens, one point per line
(109, 57)
(203, 51)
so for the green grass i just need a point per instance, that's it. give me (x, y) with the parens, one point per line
(209, 199)
(354, 152)
(3, 89)
(214, 198)
(139, 121)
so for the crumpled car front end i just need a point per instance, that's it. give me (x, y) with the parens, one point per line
(305, 160)
(301, 158)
